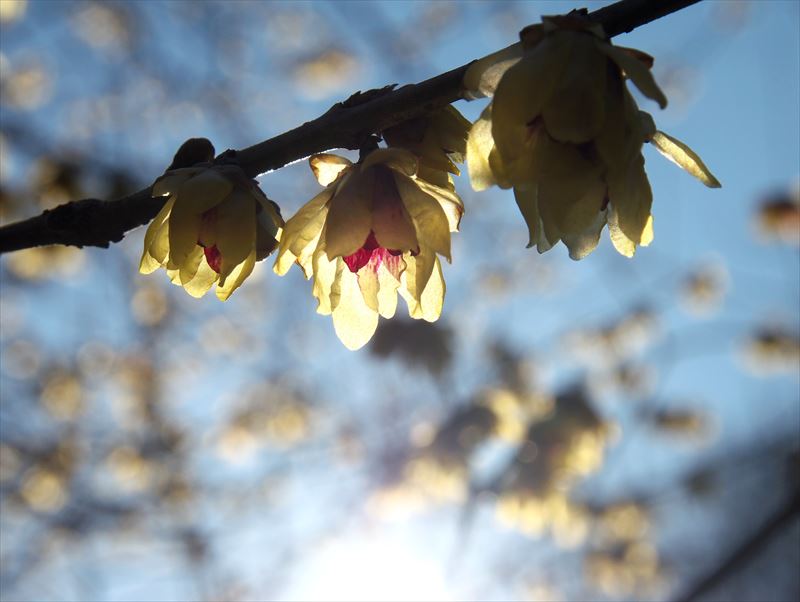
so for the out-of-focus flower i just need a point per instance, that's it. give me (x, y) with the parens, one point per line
(566, 134)
(773, 350)
(438, 139)
(374, 231)
(216, 224)
(703, 290)
(779, 218)
(11, 10)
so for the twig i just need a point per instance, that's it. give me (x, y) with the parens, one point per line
(745, 552)
(92, 222)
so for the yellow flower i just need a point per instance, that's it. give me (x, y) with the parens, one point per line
(213, 228)
(374, 231)
(438, 139)
(566, 134)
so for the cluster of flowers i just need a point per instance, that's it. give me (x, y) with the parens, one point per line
(562, 130)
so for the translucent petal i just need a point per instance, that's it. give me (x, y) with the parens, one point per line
(171, 181)
(203, 279)
(325, 271)
(432, 299)
(387, 292)
(353, 320)
(575, 111)
(429, 218)
(327, 167)
(523, 92)
(636, 71)
(623, 134)
(156, 244)
(350, 215)
(368, 283)
(527, 202)
(483, 75)
(397, 158)
(631, 197)
(582, 243)
(205, 190)
(302, 231)
(236, 229)
(415, 278)
(479, 145)
(624, 245)
(683, 156)
(451, 203)
(391, 222)
(236, 277)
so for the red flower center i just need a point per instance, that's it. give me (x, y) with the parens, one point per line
(213, 257)
(369, 250)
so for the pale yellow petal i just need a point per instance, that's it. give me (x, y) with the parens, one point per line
(479, 145)
(527, 201)
(387, 292)
(575, 111)
(203, 279)
(206, 190)
(171, 181)
(636, 71)
(523, 92)
(350, 215)
(325, 271)
(582, 243)
(327, 167)
(429, 218)
(236, 230)
(483, 75)
(448, 199)
(391, 223)
(156, 243)
(397, 158)
(301, 232)
(631, 197)
(432, 299)
(353, 320)
(683, 156)
(236, 277)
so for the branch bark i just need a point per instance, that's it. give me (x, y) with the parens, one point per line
(92, 222)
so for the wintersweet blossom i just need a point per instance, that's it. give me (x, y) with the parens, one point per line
(439, 141)
(374, 231)
(564, 131)
(213, 228)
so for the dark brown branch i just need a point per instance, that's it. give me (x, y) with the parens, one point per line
(91, 222)
(747, 551)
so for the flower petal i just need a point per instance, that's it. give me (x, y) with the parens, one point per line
(353, 320)
(397, 158)
(391, 222)
(172, 180)
(576, 109)
(236, 230)
(235, 278)
(637, 71)
(156, 240)
(349, 215)
(582, 243)
(631, 197)
(302, 231)
(325, 273)
(328, 167)
(430, 220)
(683, 156)
(523, 92)
(483, 76)
(479, 145)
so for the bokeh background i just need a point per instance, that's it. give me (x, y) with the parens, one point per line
(610, 429)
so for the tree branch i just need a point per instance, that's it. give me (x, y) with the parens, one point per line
(92, 222)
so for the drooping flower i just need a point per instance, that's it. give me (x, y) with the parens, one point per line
(564, 131)
(213, 228)
(439, 141)
(375, 231)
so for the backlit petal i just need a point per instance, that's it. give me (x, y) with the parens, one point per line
(427, 214)
(684, 157)
(353, 320)
(327, 167)
(350, 215)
